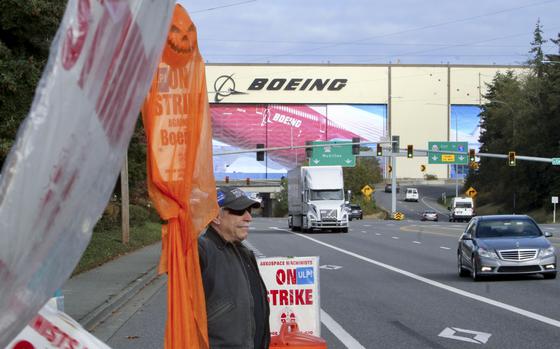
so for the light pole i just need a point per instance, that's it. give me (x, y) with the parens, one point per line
(512, 141)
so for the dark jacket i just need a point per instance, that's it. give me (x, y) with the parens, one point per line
(229, 302)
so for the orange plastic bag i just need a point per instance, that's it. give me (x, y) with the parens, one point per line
(180, 177)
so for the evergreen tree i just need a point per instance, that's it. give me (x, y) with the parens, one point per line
(27, 28)
(536, 49)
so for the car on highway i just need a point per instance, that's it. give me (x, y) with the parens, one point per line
(505, 244)
(411, 194)
(388, 188)
(429, 216)
(355, 212)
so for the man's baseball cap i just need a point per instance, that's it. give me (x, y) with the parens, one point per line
(235, 198)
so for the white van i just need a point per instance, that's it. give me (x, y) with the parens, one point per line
(411, 194)
(461, 209)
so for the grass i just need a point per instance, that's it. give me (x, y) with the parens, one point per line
(106, 244)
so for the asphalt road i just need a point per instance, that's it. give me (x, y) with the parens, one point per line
(396, 286)
(428, 197)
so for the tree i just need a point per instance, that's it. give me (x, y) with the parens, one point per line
(536, 49)
(365, 172)
(27, 29)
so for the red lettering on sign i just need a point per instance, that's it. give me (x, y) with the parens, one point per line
(53, 334)
(290, 297)
(287, 276)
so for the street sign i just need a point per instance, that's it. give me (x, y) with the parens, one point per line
(422, 168)
(555, 199)
(332, 155)
(471, 192)
(556, 161)
(367, 190)
(437, 153)
(399, 216)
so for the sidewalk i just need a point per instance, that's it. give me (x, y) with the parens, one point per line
(92, 296)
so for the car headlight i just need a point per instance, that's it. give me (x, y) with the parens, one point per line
(487, 253)
(546, 252)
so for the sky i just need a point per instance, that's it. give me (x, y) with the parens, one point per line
(372, 32)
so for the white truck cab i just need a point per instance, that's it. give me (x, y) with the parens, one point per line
(411, 194)
(461, 209)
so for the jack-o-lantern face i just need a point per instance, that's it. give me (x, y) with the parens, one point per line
(181, 39)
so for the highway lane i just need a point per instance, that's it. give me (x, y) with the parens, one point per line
(429, 195)
(397, 288)
(368, 293)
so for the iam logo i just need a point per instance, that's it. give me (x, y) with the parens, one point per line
(224, 86)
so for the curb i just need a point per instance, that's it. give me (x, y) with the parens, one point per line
(102, 312)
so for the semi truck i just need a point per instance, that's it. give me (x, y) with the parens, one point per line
(316, 199)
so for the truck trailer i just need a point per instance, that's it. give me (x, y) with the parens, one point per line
(316, 199)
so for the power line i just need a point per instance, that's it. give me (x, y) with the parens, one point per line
(223, 6)
(422, 27)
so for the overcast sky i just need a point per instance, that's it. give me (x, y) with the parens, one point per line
(369, 31)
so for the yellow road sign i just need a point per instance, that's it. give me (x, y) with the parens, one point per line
(422, 168)
(399, 216)
(367, 190)
(471, 192)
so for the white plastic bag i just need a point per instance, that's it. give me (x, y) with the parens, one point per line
(60, 173)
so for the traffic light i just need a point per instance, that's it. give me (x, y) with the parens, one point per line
(355, 147)
(379, 150)
(260, 154)
(511, 158)
(308, 150)
(472, 157)
(409, 151)
(395, 143)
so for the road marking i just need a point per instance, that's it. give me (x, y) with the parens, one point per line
(395, 237)
(479, 337)
(378, 234)
(363, 231)
(339, 332)
(258, 254)
(433, 208)
(367, 225)
(511, 308)
(444, 248)
(417, 242)
(330, 267)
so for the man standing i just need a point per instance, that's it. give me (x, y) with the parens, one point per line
(236, 300)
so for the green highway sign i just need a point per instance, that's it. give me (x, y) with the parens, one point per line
(437, 153)
(556, 161)
(332, 155)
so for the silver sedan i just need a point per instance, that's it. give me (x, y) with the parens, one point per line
(505, 244)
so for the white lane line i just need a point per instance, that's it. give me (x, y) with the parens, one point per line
(416, 242)
(363, 231)
(513, 309)
(367, 225)
(433, 208)
(444, 248)
(339, 332)
(378, 234)
(395, 237)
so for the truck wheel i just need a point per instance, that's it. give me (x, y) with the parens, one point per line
(344, 230)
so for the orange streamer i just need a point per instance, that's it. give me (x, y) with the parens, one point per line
(180, 177)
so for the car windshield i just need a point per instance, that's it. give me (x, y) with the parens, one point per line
(336, 194)
(355, 207)
(507, 228)
(463, 205)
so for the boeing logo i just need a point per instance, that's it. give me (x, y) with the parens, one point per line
(225, 86)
